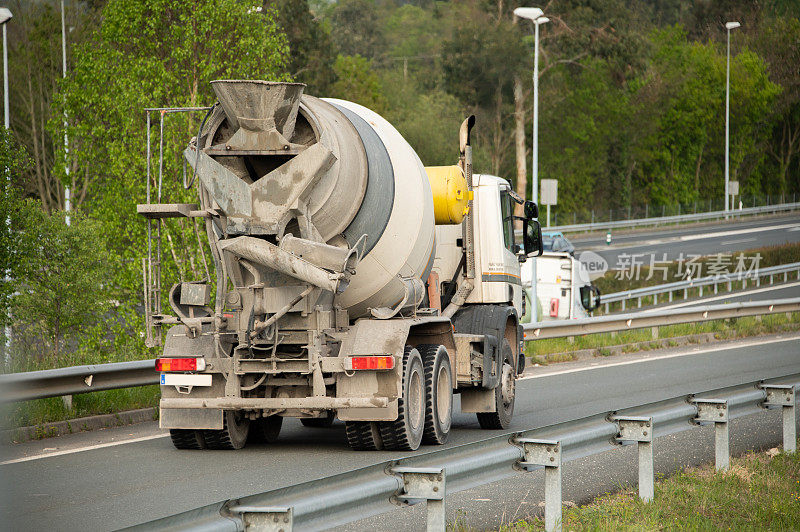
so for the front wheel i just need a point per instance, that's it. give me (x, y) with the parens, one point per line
(504, 394)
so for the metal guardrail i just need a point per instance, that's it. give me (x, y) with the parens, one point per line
(77, 379)
(638, 320)
(701, 216)
(336, 500)
(84, 379)
(711, 280)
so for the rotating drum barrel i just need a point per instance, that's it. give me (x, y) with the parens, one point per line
(274, 162)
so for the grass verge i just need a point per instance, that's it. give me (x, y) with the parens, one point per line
(53, 409)
(760, 491)
(559, 349)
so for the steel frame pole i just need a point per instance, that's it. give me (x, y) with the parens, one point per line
(67, 203)
(535, 164)
(727, 123)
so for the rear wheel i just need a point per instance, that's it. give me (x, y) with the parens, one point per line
(363, 435)
(319, 422)
(438, 393)
(503, 394)
(187, 438)
(266, 429)
(233, 435)
(405, 433)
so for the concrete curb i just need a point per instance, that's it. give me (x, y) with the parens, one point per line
(60, 428)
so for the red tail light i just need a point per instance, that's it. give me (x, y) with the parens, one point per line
(180, 364)
(372, 362)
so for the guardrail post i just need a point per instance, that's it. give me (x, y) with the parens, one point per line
(654, 331)
(640, 430)
(547, 454)
(264, 518)
(426, 483)
(782, 396)
(716, 411)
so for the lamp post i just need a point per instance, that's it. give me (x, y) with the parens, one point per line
(729, 26)
(67, 206)
(5, 16)
(535, 15)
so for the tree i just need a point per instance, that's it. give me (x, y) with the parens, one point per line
(35, 66)
(151, 53)
(357, 82)
(358, 28)
(779, 45)
(15, 160)
(61, 280)
(311, 49)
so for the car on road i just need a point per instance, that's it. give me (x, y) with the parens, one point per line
(555, 241)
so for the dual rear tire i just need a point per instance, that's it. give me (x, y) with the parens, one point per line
(424, 409)
(235, 432)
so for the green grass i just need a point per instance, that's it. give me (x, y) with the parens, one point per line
(52, 409)
(722, 329)
(759, 492)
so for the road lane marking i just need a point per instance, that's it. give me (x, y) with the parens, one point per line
(650, 357)
(725, 296)
(740, 241)
(81, 449)
(704, 236)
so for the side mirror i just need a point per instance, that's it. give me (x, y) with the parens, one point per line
(532, 237)
(531, 210)
(590, 297)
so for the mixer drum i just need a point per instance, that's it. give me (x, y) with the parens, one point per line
(325, 170)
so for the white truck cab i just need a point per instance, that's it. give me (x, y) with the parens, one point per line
(564, 290)
(497, 253)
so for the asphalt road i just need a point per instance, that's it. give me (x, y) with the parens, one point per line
(109, 479)
(727, 237)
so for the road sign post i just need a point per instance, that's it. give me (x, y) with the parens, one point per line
(548, 195)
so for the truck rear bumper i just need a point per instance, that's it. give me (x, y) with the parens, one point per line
(274, 403)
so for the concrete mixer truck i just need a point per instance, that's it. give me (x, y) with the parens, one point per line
(351, 282)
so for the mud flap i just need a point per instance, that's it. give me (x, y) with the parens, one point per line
(491, 375)
(190, 418)
(478, 400)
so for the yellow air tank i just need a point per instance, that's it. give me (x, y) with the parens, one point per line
(450, 194)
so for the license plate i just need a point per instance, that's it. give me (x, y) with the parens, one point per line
(177, 379)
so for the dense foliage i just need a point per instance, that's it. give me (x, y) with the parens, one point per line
(632, 107)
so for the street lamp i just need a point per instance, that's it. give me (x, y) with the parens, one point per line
(5, 16)
(535, 15)
(729, 26)
(66, 143)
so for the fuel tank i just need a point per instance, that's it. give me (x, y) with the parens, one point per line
(288, 174)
